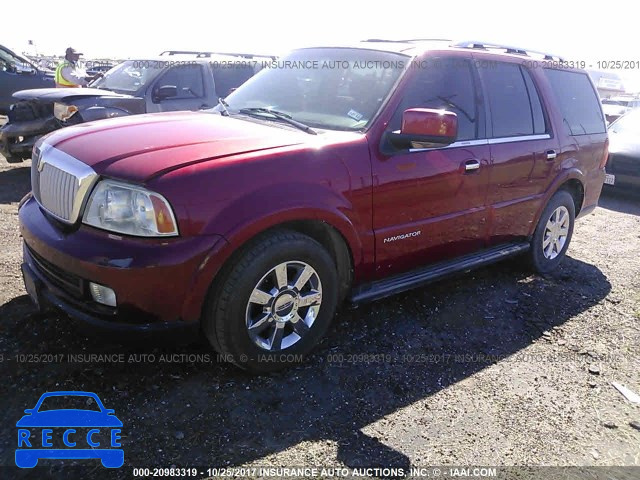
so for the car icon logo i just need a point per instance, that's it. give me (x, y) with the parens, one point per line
(52, 430)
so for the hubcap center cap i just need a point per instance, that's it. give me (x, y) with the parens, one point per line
(285, 306)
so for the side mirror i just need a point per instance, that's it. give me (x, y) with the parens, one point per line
(109, 411)
(29, 411)
(425, 128)
(165, 91)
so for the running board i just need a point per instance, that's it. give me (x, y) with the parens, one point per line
(415, 278)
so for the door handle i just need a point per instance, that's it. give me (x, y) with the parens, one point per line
(471, 165)
(551, 154)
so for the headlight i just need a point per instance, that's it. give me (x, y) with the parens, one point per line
(64, 112)
(129, 209)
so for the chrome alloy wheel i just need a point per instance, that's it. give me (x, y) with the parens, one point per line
(556, 232)
(283, 306)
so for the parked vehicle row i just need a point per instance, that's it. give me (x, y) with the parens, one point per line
(308, 187)
(135, 86)
(623, 167)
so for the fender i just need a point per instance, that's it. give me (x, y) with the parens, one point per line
(249, 216)
(572, 173)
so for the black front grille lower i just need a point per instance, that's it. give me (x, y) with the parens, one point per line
(25, 111)
(66, 281)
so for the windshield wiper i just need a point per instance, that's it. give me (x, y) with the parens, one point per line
(223, 104)
(280, 116)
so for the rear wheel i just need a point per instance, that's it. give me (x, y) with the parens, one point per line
(553, 234)
(274, 303)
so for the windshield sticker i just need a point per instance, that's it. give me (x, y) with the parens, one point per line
(355, 115)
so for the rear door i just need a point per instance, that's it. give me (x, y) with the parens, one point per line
(427, 206)
(583, 138)
(523, 151)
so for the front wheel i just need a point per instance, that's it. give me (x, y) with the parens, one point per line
(552, 235)
(274, 303)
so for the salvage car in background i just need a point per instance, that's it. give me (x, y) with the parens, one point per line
(623, 167)
(133, 87)
(616, 107)
(19, 73)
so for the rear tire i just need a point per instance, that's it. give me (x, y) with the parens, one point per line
(553, 233)
(273, 304)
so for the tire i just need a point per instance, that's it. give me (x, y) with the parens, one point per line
(287, 318)
(549, 246)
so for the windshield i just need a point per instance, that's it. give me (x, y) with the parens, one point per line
(630, 124)
(69, 402)
(128, 77)
(340, 89)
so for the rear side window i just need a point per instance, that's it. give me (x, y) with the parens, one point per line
(577, 100)
(513, 100)
(229, 76)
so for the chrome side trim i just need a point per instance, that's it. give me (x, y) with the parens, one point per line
(522, 138)
(485, 141)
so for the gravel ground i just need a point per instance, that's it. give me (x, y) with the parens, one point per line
(497, 367)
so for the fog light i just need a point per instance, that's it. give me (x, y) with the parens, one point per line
(102, 294)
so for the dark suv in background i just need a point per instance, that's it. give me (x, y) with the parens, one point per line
(337, 173)
(191, 81)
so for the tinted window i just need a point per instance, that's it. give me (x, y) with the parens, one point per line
(577, 100)
(229, 76)
(511, 111)
(187, 78)
(445, 84)
(539, 124)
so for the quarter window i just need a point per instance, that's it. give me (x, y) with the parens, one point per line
(578, 101)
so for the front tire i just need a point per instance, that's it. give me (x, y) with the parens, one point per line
(553, 233)
(275, 301)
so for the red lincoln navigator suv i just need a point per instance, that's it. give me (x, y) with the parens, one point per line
(334, 174)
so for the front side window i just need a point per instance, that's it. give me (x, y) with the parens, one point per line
(445, 84)
(578, 101)
(186, 78)
(340, 89)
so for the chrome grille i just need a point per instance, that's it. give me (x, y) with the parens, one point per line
(58, 190)
(60, 182)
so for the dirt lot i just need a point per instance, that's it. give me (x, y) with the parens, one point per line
(498, 367)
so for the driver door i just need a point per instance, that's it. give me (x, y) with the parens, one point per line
(429, 204)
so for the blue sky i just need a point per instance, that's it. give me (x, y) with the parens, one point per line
(117, 28)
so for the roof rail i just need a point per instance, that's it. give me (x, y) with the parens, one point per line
(426, 40)
(509, 49)
(382, 40)
(208, 54)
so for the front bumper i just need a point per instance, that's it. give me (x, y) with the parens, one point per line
(17, 139)
(154, 279)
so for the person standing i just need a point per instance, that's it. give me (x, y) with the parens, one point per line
(68, 74)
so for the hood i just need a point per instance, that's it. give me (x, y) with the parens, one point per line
(624, 143)
(57, 94)
(143, 146)
(69, 418)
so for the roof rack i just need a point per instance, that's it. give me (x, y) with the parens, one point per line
(382, 40)
(509, 49)
(208, 54)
